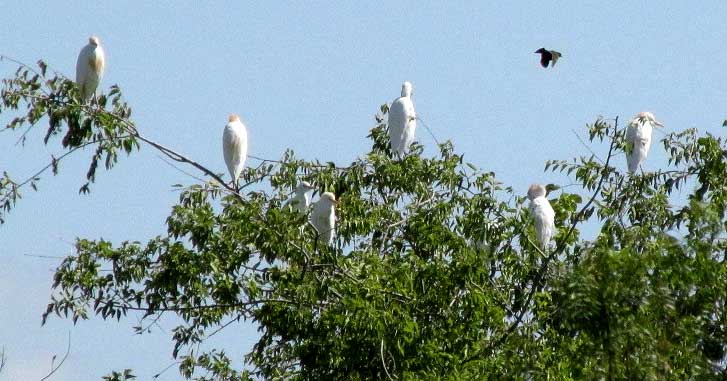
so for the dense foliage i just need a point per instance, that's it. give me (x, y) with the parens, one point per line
(434, 274)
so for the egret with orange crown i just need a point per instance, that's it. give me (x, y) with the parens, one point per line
(90, 68)
(234, 147)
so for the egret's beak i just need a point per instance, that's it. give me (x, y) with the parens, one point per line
(658, 124)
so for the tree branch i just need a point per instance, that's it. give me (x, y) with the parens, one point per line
(65, 356)
(383, 361)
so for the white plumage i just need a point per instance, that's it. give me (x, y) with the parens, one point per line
(638, 134)
(543, 214)
(402, 121)
(90, 67)
(301, 199)
(323, 217)
(234, 147)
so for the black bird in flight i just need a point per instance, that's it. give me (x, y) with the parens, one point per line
(548, 55)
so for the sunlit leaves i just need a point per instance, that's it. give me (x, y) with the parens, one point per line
(38, 97)
(430, 270)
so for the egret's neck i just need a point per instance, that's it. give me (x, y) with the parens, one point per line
(306, 196)
(303, 194)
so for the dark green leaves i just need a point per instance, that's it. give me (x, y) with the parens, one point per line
(432, 274)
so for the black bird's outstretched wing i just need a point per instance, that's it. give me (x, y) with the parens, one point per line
(554, 57)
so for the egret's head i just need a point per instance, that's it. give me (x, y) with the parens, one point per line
(535, 191)
(233, 118)
(406, 90)
(93, 40)
(304, 186)
(646, 116)
(329, 198)
(541, 51)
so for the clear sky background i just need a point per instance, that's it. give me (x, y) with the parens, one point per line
(310, 76)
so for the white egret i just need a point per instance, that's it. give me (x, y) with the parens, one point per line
(402, 121)
(543, 214)
(301, 201)
(234, 146)
(90, 67)
(323, 217)
(638, 134)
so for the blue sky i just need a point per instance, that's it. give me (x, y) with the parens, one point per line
(309, 76)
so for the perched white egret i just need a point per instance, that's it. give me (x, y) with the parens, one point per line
(543, 214)
(402, 121)
(323, 217)
(234, 146)
(301, 201)
(90, 67)
(638, 134)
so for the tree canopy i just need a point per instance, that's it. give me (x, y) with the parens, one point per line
(435, 272)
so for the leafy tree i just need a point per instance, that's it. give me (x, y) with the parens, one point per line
(434, 273)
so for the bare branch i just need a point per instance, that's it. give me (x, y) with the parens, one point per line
(57, 160)
(586, 145)
(383, 361)
(201, 180)
(419, 118)
(65, 356)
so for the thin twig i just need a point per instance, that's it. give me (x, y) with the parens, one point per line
(419, 118)
(263, 160)
(54, 369)
(181, 170)
(19, 63)
(153, 322)
(586, 145)
(22, 136)
(57, 160)
(166, 369)
(45, 256)
(168, 152)
(383, 362)
(223, 326)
